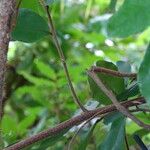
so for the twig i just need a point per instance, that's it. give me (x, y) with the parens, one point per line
(112, 72)
(61, 55)
(18, 5)
(140, 142)
(15, 15)
(126, 141)
(73, 138)
(70, 123)
(113, 98)
(140, 109)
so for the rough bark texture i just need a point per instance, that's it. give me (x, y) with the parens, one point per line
(7, 9)
(70, 123)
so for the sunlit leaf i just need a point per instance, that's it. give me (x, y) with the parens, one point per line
(25, 123)
(45, 69)
(9, 125)
(36, 80)
(32, 4)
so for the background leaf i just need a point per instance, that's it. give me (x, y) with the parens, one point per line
(30, 26)
(115, 138)
(128, 19)
(48, 142)
(45, 69)
(32, 4)
(123, 66)
(85, 137)
(116, 84)
(144, 76)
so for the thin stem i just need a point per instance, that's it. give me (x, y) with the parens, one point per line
(70, 123)
(88, 9)
(126, 141)
(61, 55)
(18, 5)
(140, 142)
(140, 109)
(15, 15)
(112, 72)
(114, 100)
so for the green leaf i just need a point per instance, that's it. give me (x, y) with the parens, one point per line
(85, 137)
(132, 17)
(116, 84)
(115, 138)
(144, 76)
(45, 69)
(131, 92)
(25, 123)
(123, 66)
(112, 117)
(32, 4)
(112, 5)
(50, 141)
(36, 93)
(30, 27)
(38, 81)
(9, 125)
(48, 2)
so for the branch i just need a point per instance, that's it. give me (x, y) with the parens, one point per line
(112, 72)
(86, 122)
(72, 122)
(140, 109)
(126, 140)
(7, 10)
(61, 55)
(114, 100)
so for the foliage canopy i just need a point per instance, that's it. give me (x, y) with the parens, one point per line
(113, 34)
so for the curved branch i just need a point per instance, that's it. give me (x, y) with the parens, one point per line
(72, 122)
(114, 100)
(112, 72)
(61, 55)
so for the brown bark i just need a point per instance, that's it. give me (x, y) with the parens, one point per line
(70, 123)
(7, 9)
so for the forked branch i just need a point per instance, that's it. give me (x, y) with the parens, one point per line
(61, 55)
(114, 100)
(72, 122)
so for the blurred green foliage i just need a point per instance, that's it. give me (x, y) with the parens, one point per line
(37, 91)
